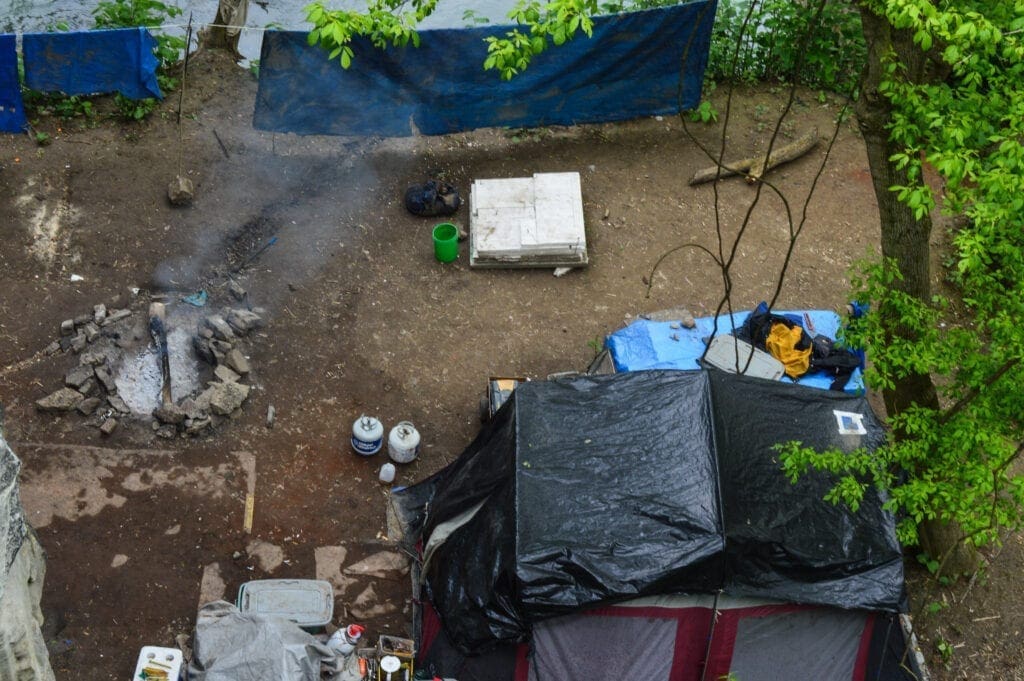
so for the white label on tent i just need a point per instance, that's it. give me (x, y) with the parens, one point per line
(850, 423)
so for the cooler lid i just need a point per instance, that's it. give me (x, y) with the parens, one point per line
(307, 602)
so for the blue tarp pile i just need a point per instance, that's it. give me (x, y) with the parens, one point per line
(646, 344)
(76, 63)
(635, 64)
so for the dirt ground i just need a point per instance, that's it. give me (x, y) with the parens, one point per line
(362, 319)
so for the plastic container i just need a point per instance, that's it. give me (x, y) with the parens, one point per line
(367, 435)
(158, 659)
(307, 602)
(387, 473)
(446, 242)
(403, 442)
(344, 640)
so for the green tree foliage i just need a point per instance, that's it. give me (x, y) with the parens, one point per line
(384, 23)
(964, 118)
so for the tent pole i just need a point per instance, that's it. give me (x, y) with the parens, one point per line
(711, 636)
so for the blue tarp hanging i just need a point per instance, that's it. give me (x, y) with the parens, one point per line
(630, 67)
(92, 62)
(12, 113)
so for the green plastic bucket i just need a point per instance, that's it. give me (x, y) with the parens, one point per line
(446, 242)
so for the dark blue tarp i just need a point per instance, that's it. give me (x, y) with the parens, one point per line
(630, 67)
(12, 113)
(92, 62)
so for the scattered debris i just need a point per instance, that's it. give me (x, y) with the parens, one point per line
(197, 299)
(109, 426)
(562, 271)
(271, 416)
(236, 290)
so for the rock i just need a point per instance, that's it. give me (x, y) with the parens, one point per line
(89, 387)
(117, 404)
(688, 321)
(226, 375)
(562, 271)
(67, 327)
(63, 400)
(237, 361)
(167, 432)
(236, 290)
(202, 402)
(227, 397)
(116, 316)
(219, 326)
(119, 560)
(108, 427)
(271, 416)
(463, 234)
(92, 332)
(203, 350)
(220, 347)
(192, 410)
(105, 379)
(170, 414)
(99, 313)
(92, 358)
(53, 348)
(78, 342)
(244, 321)
(65, 343)
(87, 406)
(180, 191)
(206, 333)
(83, 319)
(77, 377)
(197, 426)
(379, 565)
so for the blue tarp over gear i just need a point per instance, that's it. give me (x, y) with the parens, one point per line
(632, 66)
(645, 344)
(92, 62)
(12, 113)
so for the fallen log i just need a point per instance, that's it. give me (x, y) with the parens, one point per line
(784, 154)
(756, 166)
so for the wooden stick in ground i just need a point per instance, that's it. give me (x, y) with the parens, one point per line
(784, 154)
(158, 329)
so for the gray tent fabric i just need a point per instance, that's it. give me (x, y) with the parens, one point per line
(235, 646)
(13, 527)
(596, 647)
(776, 647)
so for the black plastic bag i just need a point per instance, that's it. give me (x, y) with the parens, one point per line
(432, 198)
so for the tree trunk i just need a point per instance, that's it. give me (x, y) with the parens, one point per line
(229, 13)
(905, 239)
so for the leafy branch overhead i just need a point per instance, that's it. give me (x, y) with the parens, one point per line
(384, 23)
(393, 23)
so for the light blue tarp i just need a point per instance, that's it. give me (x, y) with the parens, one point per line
(12, 112)
(632, 66)
(92, 62)
(650, 345)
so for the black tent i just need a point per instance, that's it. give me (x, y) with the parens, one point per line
(598, 490)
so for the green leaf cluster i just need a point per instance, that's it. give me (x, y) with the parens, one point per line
(384, 23)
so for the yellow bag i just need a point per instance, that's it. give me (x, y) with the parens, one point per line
(781, 343)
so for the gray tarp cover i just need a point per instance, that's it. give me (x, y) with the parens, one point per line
(12, 518)
(235, 646)
(597, 489)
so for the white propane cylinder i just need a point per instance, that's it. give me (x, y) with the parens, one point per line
(403, 442)
(367, 435)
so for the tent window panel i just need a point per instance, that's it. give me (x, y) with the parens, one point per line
(807, 644)
(595, 647)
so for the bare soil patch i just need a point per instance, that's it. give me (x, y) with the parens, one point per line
(362, 319)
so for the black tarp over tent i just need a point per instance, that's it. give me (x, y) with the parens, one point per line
(600, 489)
